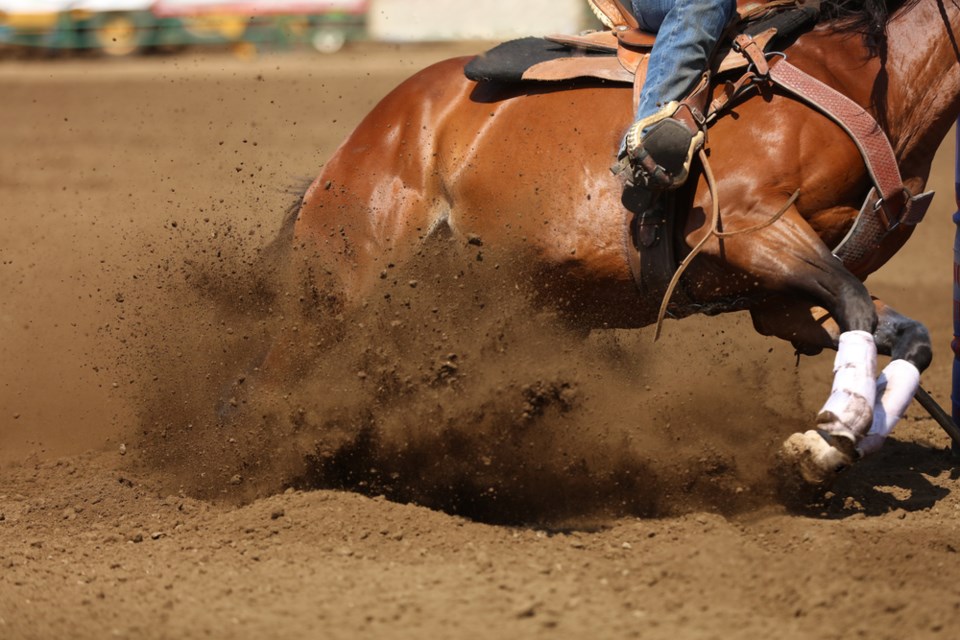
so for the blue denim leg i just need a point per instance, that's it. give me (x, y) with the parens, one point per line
(687, 31)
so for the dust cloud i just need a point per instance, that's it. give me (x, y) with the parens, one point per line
(448, 386)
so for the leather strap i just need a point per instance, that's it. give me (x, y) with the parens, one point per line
(630, 58)
(639, 78)
(736, 58)
(753, 51)
(627, 15)
(859, 246)
(731, 91)
(608, 68)
(591, 41)
(649, 233)
(879, 214)
(636, 38)
(693, 108)
(855, 120)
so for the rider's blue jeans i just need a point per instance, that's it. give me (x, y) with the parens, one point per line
(687, 31)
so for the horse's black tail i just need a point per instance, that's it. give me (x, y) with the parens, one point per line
(282, 242)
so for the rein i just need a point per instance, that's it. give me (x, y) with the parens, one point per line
(713, 232)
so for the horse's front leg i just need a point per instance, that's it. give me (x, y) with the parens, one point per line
(906, 341)
(788, 258)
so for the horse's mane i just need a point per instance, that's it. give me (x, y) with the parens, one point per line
(869, 19)
(866, 17)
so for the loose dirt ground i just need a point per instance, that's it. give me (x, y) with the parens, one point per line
(119, 181)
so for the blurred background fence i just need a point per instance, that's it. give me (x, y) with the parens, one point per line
(119, 28)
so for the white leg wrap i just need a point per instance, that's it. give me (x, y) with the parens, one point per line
(848, 413)
(895, 389)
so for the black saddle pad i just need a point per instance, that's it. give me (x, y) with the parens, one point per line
(506, 62)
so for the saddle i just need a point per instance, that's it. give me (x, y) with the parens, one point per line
(748, 57)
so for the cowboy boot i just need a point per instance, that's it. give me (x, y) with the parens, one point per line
(660, 148)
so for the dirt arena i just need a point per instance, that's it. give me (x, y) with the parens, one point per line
(554, 487)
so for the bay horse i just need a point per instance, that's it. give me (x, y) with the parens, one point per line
(527, 169)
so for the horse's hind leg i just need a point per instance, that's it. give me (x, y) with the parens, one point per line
(905, 340)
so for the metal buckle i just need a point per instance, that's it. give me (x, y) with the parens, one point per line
(878, 207)
(752, 68)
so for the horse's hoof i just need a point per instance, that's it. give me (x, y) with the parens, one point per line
(818, 460)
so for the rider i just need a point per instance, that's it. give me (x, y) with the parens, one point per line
(687, 32)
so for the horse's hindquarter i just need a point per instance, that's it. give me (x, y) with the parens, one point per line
(530, 174)
(382, 190)
(525, 171)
